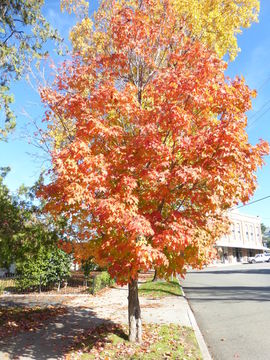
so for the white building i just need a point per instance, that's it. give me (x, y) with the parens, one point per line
(244, 240)
(4, 272)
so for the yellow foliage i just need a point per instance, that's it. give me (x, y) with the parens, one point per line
(214, 22)
(79, 7)
(217, 22)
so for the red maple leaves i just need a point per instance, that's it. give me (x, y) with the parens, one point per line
(158, 149)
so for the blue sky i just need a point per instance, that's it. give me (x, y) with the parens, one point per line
(253, 62)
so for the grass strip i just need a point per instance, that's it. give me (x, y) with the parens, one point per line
(108, 342)
(159, 289)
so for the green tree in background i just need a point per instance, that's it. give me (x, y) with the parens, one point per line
(265, 236)
(23, 33)
(29, 239)
(88, 266)
(49, 267)
(58, 267)
(25, 232)
(10, 223)
(263, 228)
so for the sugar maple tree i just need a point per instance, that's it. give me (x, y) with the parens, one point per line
(215, 23)
(153, 149)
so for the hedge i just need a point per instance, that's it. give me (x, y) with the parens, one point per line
(101, 281)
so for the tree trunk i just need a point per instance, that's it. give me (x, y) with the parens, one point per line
(134, 313)
(155, 278)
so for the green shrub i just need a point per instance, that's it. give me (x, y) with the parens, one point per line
(101, 281)
(30, 274)
(88, 266)
(46, 270)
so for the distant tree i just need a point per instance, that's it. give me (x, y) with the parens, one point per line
(263, 228)
(24, 31)
(31, 271)
(266, 237)
(24, 230)
(47, 268)
(88, 266)
(58, 266)
(10, 223)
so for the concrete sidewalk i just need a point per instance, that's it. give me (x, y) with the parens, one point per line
(226, 264)
(86, 312)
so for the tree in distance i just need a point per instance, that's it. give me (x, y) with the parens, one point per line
(28, 238)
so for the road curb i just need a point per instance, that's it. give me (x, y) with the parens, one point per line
(202, 345)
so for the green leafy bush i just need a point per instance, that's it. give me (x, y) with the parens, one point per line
(47, 269)
(58, 268)
(31, 274)
(101, 281)
(88, 266)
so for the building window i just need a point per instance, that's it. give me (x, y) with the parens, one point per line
(233, 231)
(238, 232)
(251, 232)
(247, 234)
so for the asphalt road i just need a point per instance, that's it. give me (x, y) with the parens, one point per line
(232, 308)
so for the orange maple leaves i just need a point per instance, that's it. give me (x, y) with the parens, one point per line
(158, 150)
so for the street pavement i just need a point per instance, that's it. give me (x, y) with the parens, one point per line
(232, 307)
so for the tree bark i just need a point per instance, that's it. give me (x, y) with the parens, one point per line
(155, 278)
(134, 313)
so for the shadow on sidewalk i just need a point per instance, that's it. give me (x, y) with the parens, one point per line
(55, 338)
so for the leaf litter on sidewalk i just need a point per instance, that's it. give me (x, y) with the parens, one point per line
(15, 319)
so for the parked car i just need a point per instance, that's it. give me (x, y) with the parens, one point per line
(267, 255)
(259, 258)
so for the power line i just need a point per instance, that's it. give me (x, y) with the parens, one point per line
(259, 110)
(258, 118)
(264, 83)
(253, 202)
(256, 115)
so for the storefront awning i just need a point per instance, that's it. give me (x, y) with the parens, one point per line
(241, 246)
